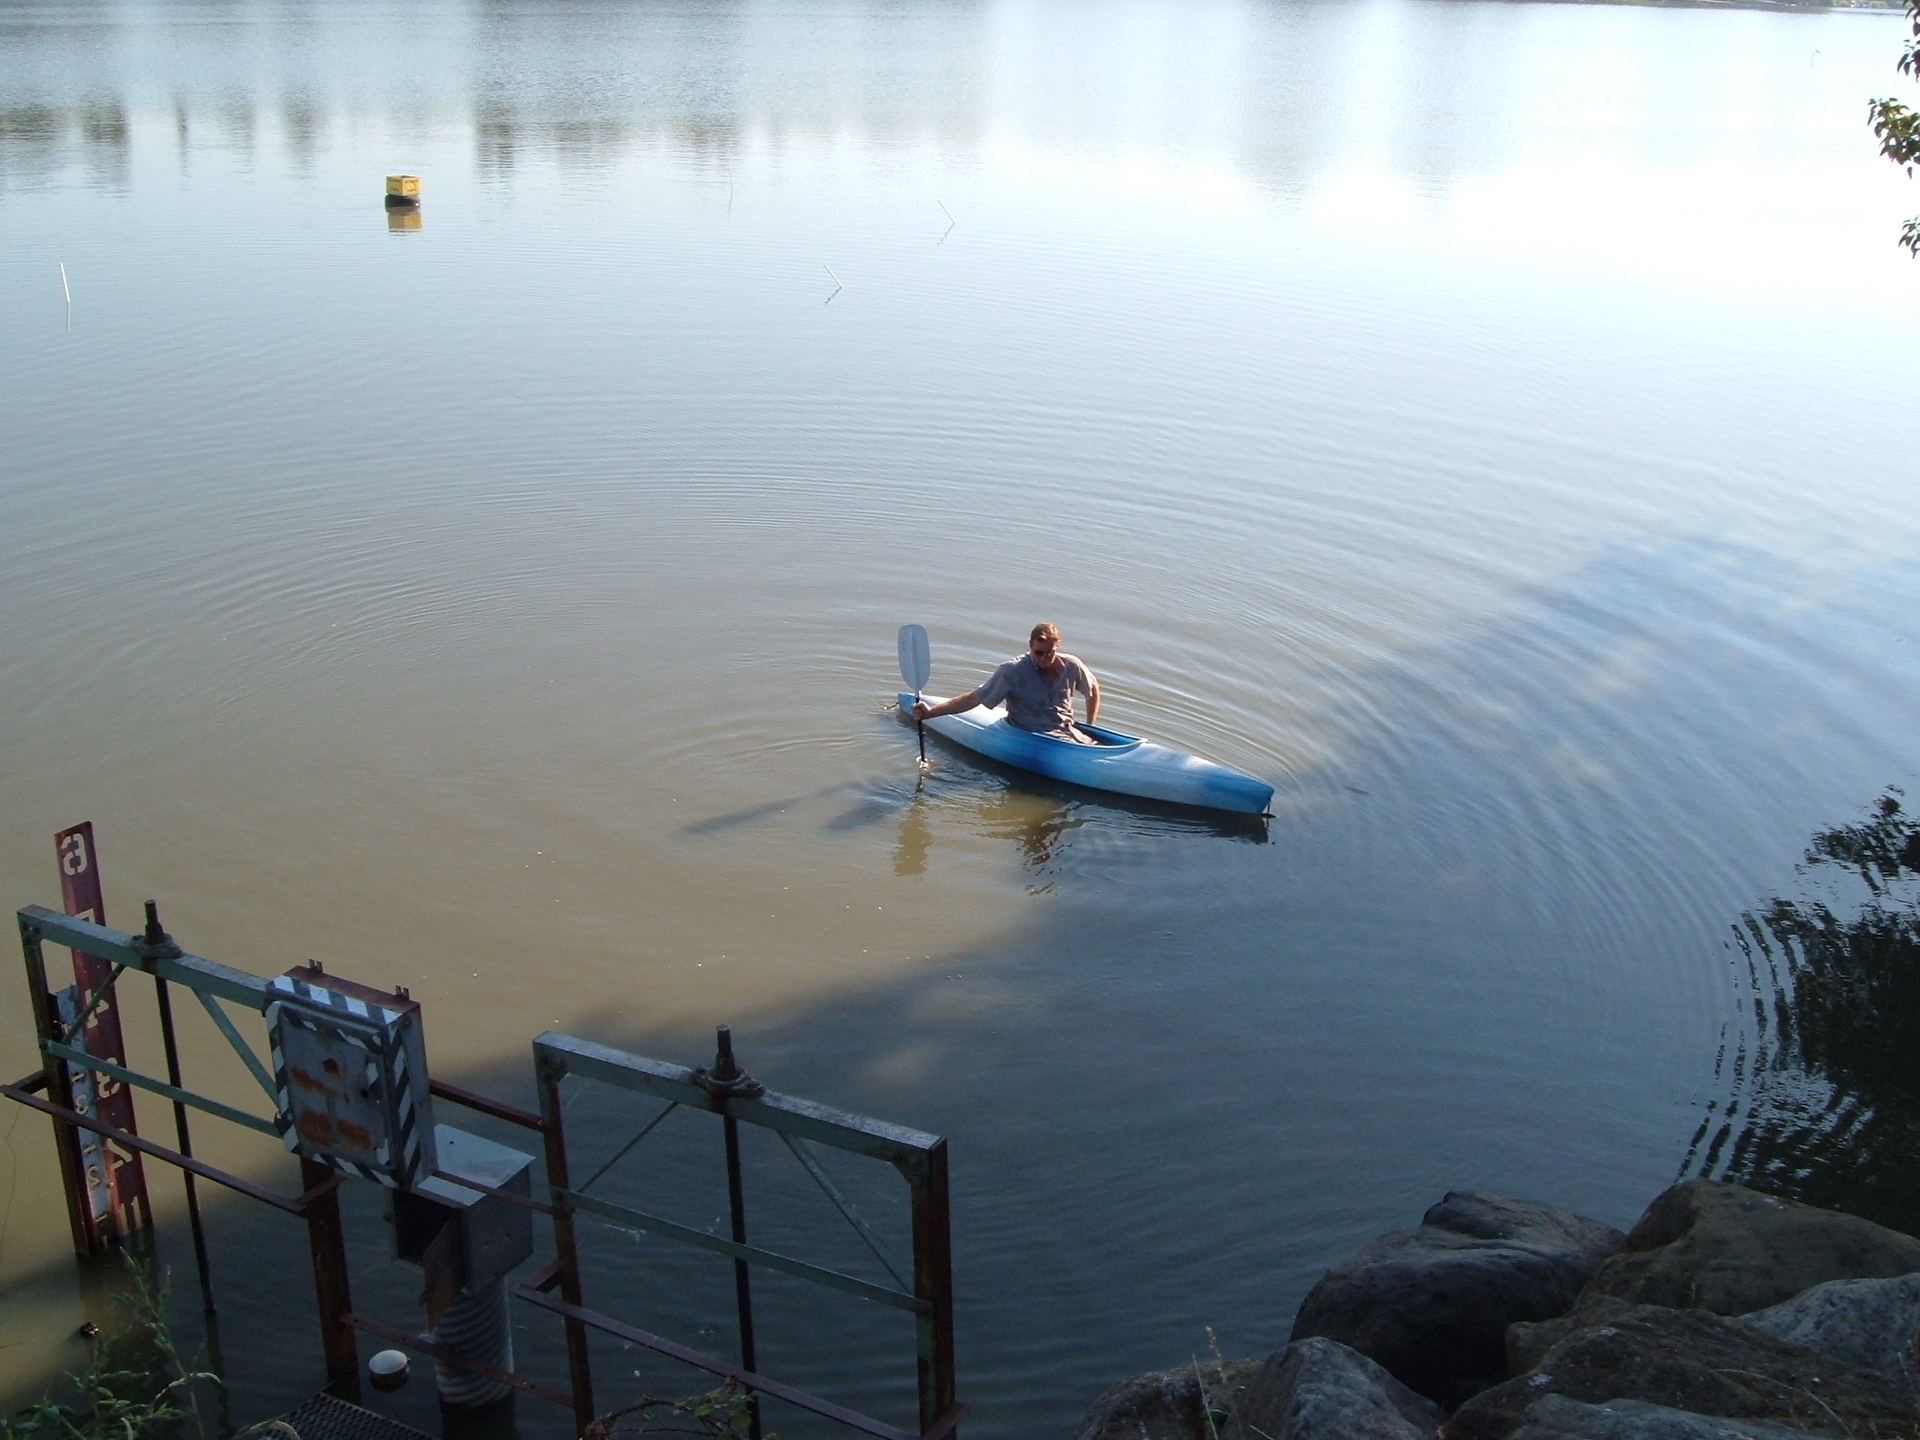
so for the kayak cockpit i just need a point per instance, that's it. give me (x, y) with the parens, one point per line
(1103, 739)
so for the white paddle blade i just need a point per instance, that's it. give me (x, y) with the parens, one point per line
(916, 660)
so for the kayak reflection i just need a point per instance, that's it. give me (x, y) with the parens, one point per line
(1039, 816)
(1001, 784)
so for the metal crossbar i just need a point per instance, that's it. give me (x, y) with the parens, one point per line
(121, 948)
(747, 1378)
(159, 1087)
(630, 1219)
(292, 1204)
(423, 1346)
(906, 1150)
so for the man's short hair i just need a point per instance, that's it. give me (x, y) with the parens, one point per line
(1045, 630)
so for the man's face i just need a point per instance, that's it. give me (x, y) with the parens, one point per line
(1045, 653)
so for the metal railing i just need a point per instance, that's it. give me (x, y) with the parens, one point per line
(922, 1286)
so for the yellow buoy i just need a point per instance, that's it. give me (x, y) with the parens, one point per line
(403, 189)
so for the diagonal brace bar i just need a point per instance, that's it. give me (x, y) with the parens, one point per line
(645, 1130)
(845, 1207)
(240, 1046)
(93, 1003)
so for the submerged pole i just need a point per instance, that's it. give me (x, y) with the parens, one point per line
(157, 941)
(724, 1081)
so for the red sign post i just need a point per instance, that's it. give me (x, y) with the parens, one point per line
(116, 1186)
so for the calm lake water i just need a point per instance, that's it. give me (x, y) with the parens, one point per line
(1487, 422)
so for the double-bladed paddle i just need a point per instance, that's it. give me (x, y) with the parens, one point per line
(916, 664)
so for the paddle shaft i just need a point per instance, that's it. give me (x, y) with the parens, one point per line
(920, 726)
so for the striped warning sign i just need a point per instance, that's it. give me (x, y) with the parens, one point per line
(350, 1065)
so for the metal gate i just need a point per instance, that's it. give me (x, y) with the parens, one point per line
(923, 1288)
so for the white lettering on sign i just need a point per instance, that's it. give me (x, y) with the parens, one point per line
(73, 855)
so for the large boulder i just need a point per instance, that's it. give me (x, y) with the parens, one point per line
(1320, 1390)
(1558, 1418)
(1188, 1402)
(1869, 1323)
(1732, 1250)
(1528, 1341)
(1698, 1362)
(1432, 1303)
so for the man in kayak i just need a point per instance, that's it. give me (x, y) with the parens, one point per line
(1037, 688)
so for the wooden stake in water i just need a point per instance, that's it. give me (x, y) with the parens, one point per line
(64, 286)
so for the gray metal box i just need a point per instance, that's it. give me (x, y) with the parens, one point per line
(461, 1238)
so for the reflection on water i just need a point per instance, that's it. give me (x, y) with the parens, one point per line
(916, 837)
(1449, 93)
(1041, 816)
(1038, 827)
(1823, 1080)
(38, 141)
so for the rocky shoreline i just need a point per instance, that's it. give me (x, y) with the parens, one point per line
(1724, 1314)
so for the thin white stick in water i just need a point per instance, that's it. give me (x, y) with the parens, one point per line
(836, 279)
(64, 286)
(946, 212)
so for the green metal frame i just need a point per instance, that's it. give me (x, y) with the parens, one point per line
(211, 983)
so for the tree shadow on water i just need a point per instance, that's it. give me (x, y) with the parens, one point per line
(1825, 1083)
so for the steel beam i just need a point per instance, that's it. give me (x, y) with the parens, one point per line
(906, 1150)
(124, 949)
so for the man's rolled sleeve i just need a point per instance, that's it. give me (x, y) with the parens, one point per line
(999, 685)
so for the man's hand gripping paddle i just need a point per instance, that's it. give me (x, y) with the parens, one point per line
(916, 664)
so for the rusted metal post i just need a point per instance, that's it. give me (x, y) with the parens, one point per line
(328, 1241)
(547, 1076)
(66, 1141)
(933, 1282)
(156, 942)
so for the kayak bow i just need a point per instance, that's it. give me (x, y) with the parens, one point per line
(1120, 764)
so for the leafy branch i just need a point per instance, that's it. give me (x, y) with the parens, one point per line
(1897, 126)
(135, 1385)
(725, 1412)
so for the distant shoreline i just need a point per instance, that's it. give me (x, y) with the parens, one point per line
(1811, 7)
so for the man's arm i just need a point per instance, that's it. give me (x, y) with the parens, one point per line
(924, 711)
(1093, 699)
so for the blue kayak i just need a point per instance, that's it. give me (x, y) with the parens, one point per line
(1122, 764)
